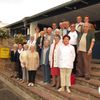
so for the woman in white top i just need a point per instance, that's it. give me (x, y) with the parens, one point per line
(66, 56)
(55, 71)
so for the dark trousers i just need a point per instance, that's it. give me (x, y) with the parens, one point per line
(32, 75)
(75, 61)
(83, 66)
(46, 73)
(19, 70)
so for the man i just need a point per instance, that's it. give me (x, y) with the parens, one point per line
(79, 24)
(66, 29)
(49, 35)
(86, 44)
(73, 41)
(91, 26)
(39, 42)
(54, 26)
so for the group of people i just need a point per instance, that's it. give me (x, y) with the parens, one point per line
(58, 51)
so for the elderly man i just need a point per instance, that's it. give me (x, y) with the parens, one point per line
(66, 25)
(39, 42)
(54, 26)
(79, 24)
(86, 44)
(49, 35)
(61, 28)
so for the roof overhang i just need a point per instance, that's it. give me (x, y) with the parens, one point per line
(73, 7)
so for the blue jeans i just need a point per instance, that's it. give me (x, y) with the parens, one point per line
(46, 73)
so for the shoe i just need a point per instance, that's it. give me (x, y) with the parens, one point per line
(53, 85)
(45, 83)
(61, 89)
(22, 81)
(32, 84)
(87, 78)
(29, 84)
(57, 87)
(77, 75)
(17, 79)
(68, 90)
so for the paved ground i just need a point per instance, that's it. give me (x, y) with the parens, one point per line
(10, 92)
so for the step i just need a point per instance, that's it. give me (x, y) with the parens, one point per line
(39, 93)
(95, 75)
(45, 92)
(85, 91)
(93, 83)
(97, 61)
(95, 67)
(71, 96)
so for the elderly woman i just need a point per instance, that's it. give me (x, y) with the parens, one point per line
(66, 56)
(23, 60)
(31, 41)
(55, 71)
(32, 64)
(13, 54)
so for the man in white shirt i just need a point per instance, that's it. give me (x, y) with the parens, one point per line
(73, 41)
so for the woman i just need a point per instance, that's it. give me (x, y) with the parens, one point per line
(32, 64)
(55, 71)
(13, 54)
(66, 56)
(23, 60)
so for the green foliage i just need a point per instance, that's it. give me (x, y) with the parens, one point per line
(20, 39)
(3, 34)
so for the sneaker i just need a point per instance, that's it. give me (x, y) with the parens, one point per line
(29, 84)
(68, 90)
(17, 79)
(46, 83)
(61, 89)
(87, 78)
(32, 84)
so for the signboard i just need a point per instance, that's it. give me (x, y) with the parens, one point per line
(4, 53)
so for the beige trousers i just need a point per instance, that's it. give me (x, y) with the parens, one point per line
(65, 74)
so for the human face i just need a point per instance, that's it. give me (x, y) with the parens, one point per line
(79, 19)
(66, 41)
(61, 25)
(37, 30)
(49, 31)
(54, 26)
(86, 27)
(86, 19)
(42, 33)
(25, 47)
(20, 46)
(32, 48)
(32, 38)
(72, 27)
(56, 39)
